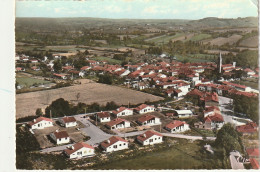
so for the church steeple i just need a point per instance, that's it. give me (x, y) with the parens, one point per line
(219, 64)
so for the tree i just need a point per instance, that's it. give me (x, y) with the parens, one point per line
(39, 112)
(59, 108)
(57, 66)
(228, 138)
(111, 105)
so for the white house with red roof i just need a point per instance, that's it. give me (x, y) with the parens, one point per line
(247, 129)
(114, 143)
(123, 111)
(149, 138)
(215, 121)
(60, 137)
(68, 121)
(41, 123)
(177, 126)
(143, 108)
(149, 120)
(80, 150)
(103, 116)
(249, 72)
(209, 110)
(118, 123)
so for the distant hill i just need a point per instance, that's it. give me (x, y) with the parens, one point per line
(51, 24)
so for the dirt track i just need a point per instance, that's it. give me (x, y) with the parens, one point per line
(27, 103)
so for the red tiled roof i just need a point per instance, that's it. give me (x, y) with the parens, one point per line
(252, 151)
(84, 68)
(146, 118)
(120, 110)
(61, 134)
(211, 108)
(233, 84)
(195, 92)
(174, 124)
(116, 121)
(212, 97)
(216, 117)
(69, 119)
(147, 135)
(254, 163)
(111, 141)
(77, 147)
(103, 114)
(142, 106)
(39, 120)
(248, 128)
(67, 67)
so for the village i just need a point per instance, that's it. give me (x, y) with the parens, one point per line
(196, 107)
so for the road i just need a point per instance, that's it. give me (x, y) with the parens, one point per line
(186, 136)
(235, 164)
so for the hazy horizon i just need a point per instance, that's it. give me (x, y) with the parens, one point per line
(137, 9)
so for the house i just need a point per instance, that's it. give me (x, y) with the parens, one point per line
(41, 123)
(114, 143)
(211, 110)
(149, 138)
(79, 150)
(183, 113)
(253, 152)
(177, 126)
(60, 76)
(215, 121)
(143, 108)
(123, 111)
(211, 99)
(118, 123)
(247, 129)
(149, 120)
(103, 116)
(60, 137)
(68, 122)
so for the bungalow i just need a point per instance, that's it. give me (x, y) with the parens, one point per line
(19, 69)
(114, 143)
(215, 121)
(183, 113)
(123, 111)
(103, 116)
(177, 126)
(211, 99)
(60, 137)
(249, 72)
(247, 129)
(211, 110)
(118, 123)
(144, 109)
(148, 120)
(41, 123)
(68, 122)
(61, 76)
(79, 150)
(150, 138)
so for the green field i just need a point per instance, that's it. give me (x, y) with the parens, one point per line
(109, 60)
(165, 39)
(200, 37)
(182, 155)
(195, 58)
(27, 81)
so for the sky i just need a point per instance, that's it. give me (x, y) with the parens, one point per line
(137, 9)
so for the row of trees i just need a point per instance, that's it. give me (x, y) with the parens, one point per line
(61, 107)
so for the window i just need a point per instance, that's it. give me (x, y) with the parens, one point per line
(155, 138)
(120, 144)
(159, 138)
(151, 140)
(115, 146)
(79, 153)
(124, 143)
(59, 139)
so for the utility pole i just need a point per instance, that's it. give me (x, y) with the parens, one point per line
(96, 119)
(160, 128)
(50, 114)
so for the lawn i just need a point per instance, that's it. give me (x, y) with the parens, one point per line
(27, 81)
(182, 155)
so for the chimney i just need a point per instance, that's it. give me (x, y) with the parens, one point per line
(72, 147)
(57, 130)
(144, 135)
(34, 120)
(108, 141)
